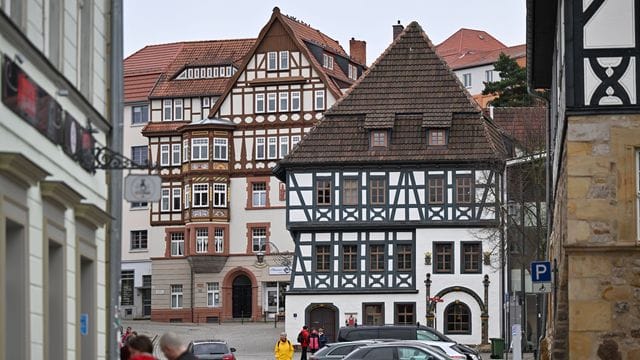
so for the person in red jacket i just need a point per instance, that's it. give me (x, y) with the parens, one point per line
(303, 339)
(314, 341)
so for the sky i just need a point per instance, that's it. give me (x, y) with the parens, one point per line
(149, 22)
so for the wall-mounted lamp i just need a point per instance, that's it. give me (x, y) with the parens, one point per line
(427, 258)
(260, 257)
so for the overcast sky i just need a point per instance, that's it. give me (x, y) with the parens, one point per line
(148, 22)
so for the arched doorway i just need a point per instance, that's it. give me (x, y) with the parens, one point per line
(324, 316)
(241, 297)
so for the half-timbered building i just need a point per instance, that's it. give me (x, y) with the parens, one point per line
(388, 198)
(226, 245)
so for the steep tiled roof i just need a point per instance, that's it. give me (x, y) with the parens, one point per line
(143, 68)
(527, 125)
(471, 59)
(408, 87)
(165, 127)
(201, 53)
(304, 32)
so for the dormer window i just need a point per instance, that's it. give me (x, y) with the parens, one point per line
(327, 61)
(353, 72)
(379, 138)
(437, 137)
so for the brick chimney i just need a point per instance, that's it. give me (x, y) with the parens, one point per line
(358, 51)
(397, 29)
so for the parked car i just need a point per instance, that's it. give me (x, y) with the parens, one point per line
(402, 332)
(450, 348)
(211, 349)
(339, 350)
(397, 351)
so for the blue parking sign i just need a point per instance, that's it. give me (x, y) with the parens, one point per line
(84, 324)
(540, 271)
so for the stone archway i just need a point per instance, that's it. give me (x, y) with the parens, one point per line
(323, 315)
(246, 286)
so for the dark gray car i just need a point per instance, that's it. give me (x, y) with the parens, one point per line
(211, 350)
(336, 351)
(397, 351)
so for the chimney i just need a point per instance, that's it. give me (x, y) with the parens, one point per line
(358, 51)
(397, 29)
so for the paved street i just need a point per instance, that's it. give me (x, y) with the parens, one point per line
(253, 341)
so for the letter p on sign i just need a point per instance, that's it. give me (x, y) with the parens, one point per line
(541, 271)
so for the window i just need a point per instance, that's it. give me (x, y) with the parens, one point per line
(185, 150)
(176, 296)
(271, 102)
(284, 60)
(209, 72)
(190, 73)
(437, 137)
(378, 138)
(126, 287)
(139, 114)
(350, 192)
(349, 258)
(377, 190)
(213, 294)
(139, 240)
(200, 149)
(284, 101)
(376, 257)
(166, 114)
(272, 150)
(229, 71)
(219, 195)
(405, 314)
(323, 192)
(187, 196)
(319, 96)
(373, 313)
(202, 240)
(205, 103)
(177, 244)
(404, 257)
(284, 146)
(164, 200)
(178, 109)
(200, 195)
(218, 239)
(259, 103)
(139, 155)
(457, 319)
(463, 189)
(175, 203)
(488, 75)
(164, 155)
(258, 239)
(175, 154)
(436, 190)
(220, 151)
(471, 257)
(272, 60)
(216, 71)
(467, 80)
(327, 61)
(196, 73)
(323, 258)
(353, 72)
(139, 205)
(259, 194)
(260, 149)
(295, 101)
(443, 258)
(295, 139)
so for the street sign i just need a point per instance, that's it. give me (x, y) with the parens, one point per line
(540, 271)
(142, 188)
(542, 287)
(84, 324)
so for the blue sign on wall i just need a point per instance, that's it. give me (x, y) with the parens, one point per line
(541, 271)
(84, 324)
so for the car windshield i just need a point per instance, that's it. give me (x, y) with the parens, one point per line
(432, 335)
(209, 348)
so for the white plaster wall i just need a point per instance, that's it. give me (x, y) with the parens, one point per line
(477, 77)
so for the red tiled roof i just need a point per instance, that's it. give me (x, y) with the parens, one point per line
(527, 125)
(143, 68)
(156, 128)
(201, 53)
(137, 88)
(305, 32)
(471, 59)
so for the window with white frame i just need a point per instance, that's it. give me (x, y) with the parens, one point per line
(187, 196)
(196, 73)
(283, 101)
(259, 103)
(259, 194)
(209, 72)
(295, 139)
(229, 71)
(205, 103)
(202, 240)
(467, 79)
(176, 296)
(284, 60)
(219, 195)
(353, 72)
(200, 195)
(178, 109)
(213, 294)
(488, 75)
(218, 238)
(175, 154)
(272, 60)
(140, 155)
(327, 61)
(165, 200)
(260, 148)
(185, 150)
(190, 73)
(167, 108)
(177, 244)
(139, 114)
(216, 72)
(138, 240)
(175, 199)
(319, 99)
(295, 101)
(272, 152)
(220, 146)
(284, 146)
(164, 155)
(271, 102)
(259, 239)
(200, 149)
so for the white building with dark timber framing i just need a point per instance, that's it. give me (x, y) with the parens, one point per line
(389, 199)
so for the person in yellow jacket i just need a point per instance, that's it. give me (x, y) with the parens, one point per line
(284, 349)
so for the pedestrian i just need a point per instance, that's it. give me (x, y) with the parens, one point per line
(314, 341)
(173, 348)
(303, 340)
(322, 338)
(123, 339)
(283, 349)
(140, 348)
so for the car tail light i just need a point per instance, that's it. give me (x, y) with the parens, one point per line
(228, 357)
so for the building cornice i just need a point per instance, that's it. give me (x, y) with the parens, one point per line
(60, 193)
(20, 168)
(92, 214)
